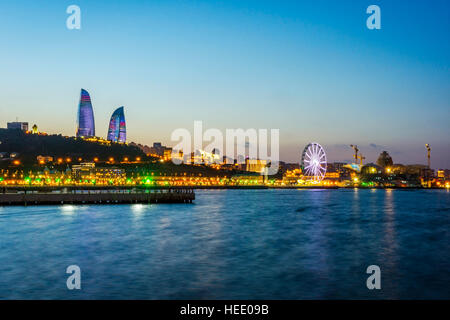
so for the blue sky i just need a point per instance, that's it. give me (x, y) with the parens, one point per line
(310, 68)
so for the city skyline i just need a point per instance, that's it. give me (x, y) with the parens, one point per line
(329, 79)
(117, 132)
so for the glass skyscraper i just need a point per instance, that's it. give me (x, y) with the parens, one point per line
(86, 125)
(117, 130)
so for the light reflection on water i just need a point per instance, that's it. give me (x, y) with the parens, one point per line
(68, 209)
(138, 210)
(234, 244)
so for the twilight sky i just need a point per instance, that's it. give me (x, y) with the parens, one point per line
(310, 68)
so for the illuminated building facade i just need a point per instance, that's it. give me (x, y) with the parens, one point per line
(44, 159)
(88, 172)
(255, 165)
(443, 174)
(86, 125)
(117, 130)
(332, 175)
(159, 151)
(83, 170)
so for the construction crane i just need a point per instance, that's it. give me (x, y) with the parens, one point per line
(361, 157)
(355, 147)
(356, 156)
(428, 155)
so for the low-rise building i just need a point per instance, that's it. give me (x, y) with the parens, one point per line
(17, 125)
(44, 159)
(160, 151)
(256, 165)
(443, 174)
(99, 175)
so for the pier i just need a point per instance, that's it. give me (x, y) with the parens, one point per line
(27, 197)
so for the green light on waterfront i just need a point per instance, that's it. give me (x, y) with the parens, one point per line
(147, 180)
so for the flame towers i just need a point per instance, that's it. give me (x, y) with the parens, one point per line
(86, 125)
(117, 130)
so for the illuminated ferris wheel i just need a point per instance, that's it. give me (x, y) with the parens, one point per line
(314, 162)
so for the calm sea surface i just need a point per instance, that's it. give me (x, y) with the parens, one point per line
(233, 244)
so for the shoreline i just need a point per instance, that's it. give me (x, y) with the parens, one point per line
(71, 189)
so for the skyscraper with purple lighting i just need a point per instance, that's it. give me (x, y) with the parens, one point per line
(117, 130)
(86, 124)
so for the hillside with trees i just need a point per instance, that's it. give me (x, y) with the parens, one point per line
(29, 146)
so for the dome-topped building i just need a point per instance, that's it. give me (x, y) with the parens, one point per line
(385, 160)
